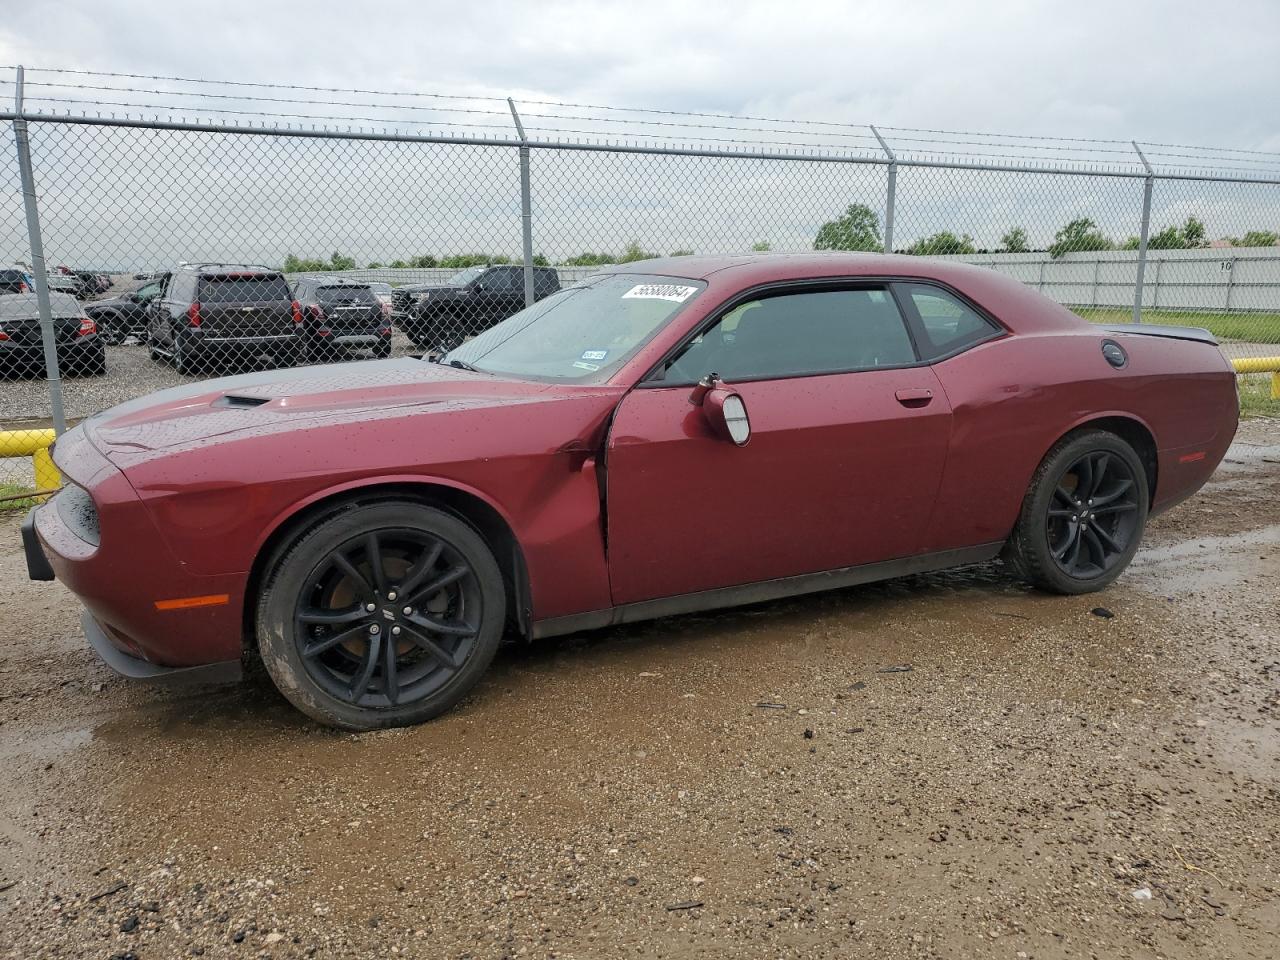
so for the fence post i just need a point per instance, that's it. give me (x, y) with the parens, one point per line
(37, 264)
(891, 193)
(526, 206)
(1142, 237)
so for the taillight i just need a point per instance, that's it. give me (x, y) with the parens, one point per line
(316, 311)
(193, 315)
(297, 313)
(87, 326)
(22, 287)
(384, 331)
(3, 335)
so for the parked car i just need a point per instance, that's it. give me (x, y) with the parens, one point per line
(76, 341)
(383, 292)
(218, 313)
(125, 315)
(15, 279)
(439, 316)
(668, 436)
(342, 318)
(64, 283)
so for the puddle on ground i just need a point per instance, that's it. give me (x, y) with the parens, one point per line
(1205, 563)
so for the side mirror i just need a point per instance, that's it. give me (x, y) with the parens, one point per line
(723, 409)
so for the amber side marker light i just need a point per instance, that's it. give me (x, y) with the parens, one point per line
(183, 603)
(1191, 457)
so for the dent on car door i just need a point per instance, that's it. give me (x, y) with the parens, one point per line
(848, 437)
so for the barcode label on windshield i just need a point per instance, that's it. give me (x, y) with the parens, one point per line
(660, 291)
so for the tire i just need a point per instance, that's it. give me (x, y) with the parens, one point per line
(1083, 515)
(109, 328)
(327, 653)
(181, 362)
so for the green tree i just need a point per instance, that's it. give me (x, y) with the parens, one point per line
(1257, 238)
(540, 261)
(340, 262)
(423, 261)
(1015, 241)
(1080, 235)
(940, 244)
(858, 229)
(398, 265)
(762, 246)
(680, 253)
(590, 260)
(634, 252)
(374, 266)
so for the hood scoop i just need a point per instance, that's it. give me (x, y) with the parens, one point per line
(237, 400)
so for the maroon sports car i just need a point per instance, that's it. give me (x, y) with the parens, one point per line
(668, 436)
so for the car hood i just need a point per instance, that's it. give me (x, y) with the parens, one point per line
(111, 302)
(277, 401)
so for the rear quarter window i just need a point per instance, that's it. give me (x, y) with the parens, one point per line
(948, 324)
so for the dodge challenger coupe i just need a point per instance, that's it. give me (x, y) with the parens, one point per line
(668, 436)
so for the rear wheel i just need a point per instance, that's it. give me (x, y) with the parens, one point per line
(1083, 516)
(383, 615)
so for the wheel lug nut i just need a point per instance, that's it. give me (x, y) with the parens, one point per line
(371, 607)
(395, 631)
(1075, 519)
(392, 594)
(408, 611)
(375, 630)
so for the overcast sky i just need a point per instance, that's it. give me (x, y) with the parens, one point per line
(1174, 72)
(1194, 72)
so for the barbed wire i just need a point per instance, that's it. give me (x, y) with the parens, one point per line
(934, 141)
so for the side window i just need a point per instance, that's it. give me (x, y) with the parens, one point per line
(798, 334)
(949, 325)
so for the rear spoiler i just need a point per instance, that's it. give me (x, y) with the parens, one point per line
(1198, 334)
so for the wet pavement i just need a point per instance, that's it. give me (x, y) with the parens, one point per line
(941, 766)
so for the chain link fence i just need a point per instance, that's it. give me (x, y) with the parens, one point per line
(179, 249)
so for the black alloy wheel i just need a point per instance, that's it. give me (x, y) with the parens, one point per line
(1093, 516)
(381, 614)
(391, 616)
(1083, 515)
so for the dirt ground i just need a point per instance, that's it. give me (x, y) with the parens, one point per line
(943, 766)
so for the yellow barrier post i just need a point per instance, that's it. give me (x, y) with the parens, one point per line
(34, 444)
(1269, 365)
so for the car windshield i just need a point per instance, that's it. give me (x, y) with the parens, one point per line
(584, 332)
(463, 277)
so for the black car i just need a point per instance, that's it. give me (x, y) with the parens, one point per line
(79, 348)
(342, 318)
(125, 315)
(225, 313)
(438, 317)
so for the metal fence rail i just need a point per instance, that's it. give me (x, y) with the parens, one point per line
(154, 251)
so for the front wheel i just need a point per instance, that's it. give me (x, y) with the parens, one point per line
(385, 614)
(1083, 515)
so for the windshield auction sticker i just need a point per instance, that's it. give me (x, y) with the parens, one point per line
(660, 291)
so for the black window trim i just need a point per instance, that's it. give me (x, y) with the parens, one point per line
(653, 378)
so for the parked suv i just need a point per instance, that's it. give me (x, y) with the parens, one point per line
(211, 312)
(125, 315)
(341, 318)
(437, 317)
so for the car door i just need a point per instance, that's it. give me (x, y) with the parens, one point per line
(849, 434)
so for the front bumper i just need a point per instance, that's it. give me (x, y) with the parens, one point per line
(37, 563)
(135, 668)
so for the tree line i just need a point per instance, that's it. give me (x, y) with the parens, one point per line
(857, 229)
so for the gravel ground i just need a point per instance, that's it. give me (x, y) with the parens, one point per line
(942, 766)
